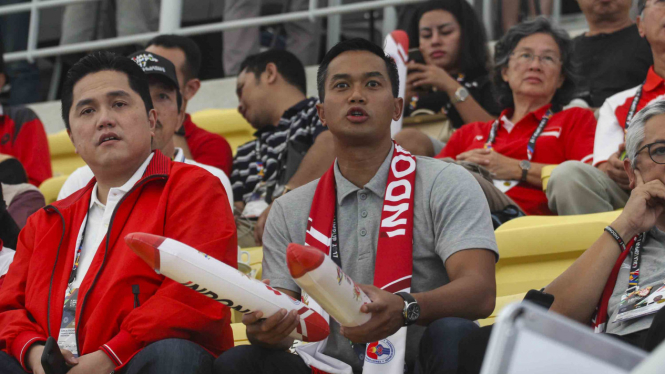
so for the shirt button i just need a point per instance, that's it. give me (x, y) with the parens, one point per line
(363, 196)
(363, 213)
(363, 232)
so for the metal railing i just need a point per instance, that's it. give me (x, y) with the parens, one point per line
(171, 14)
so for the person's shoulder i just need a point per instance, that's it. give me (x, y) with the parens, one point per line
(186, 173)
(299, 200)
(211, 169)
(20, 114)
(576, 113)
(246, 148)
(621, 98)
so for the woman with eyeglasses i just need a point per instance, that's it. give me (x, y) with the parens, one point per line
(449, 73)
(534, 79)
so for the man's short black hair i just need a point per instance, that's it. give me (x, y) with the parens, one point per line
(356, 44)
(188, 46)
(287, 65)
(104, 61)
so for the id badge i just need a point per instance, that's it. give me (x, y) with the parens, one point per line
(640, 303)
(67, 336)
(504, 185)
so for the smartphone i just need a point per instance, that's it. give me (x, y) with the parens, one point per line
(416, 55)
(53, 361)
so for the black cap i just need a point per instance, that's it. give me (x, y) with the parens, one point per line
(152, 63)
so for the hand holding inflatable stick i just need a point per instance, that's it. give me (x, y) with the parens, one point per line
(222, 283)
(319, 276)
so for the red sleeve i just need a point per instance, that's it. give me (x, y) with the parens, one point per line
(173, 311)
(455, 145)
(213, 150)
(31, 148)
(580, 135)
(17, 330)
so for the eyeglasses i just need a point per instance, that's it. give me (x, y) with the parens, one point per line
(528, 57)
(656, 151)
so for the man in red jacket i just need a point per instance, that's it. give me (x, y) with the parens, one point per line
(74, 278)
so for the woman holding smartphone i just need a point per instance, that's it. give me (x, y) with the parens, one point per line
(453, 75)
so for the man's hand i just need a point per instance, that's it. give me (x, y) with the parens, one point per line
(646, 204)
(501, 167)
(386, 309)
(614, 169)
(34, 358)
(430, 75)
(261, 225)
(96, 362)
(272, 331)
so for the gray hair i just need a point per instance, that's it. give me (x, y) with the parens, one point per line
(505, 47)
(635, 134)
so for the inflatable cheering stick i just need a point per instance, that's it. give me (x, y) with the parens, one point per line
(223, 283)
(319, 276)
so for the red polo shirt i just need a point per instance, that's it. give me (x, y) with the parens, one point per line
(208, 148)
(22, 136)
(567, 136)
(612, 115)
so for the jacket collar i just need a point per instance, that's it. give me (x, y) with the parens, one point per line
(159, 165)
(652, 81)
(537, 114)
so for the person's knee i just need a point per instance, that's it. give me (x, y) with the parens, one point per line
(565, 176)
(236, 360)
(174, 356)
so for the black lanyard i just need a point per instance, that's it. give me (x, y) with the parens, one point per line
(634, 276)
(633, 106)
(530, 147)
(77, 257)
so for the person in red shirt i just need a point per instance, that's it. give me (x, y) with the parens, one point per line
(198, 144)
(128, 318)
(534, 80)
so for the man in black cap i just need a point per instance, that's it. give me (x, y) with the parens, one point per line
(167, 100)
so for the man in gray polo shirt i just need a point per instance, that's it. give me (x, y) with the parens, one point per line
(454, 249)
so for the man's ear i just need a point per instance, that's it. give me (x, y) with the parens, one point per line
(398, 109)
(640, 26)
(191, 88)
(322, 114)
(152, 120)
(71, 138)
(631, 173)
(271, 73)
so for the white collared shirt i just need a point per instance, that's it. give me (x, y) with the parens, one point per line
(97, 221)
(81, 176)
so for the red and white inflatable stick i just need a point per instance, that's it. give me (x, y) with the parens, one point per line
(223, 283)
(319, 276)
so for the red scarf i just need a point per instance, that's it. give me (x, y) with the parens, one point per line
(394, 257)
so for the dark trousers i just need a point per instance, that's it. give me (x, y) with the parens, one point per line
(473, 346)
(176, 356)
(438, 353)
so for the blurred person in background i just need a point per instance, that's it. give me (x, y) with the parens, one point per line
(292, 147)
(534, 78)
(512, 11)
(453, 77)
(197, 144)
(604, 72)
(22, 75)
(24, 152)
(302, 37)
(577, 188)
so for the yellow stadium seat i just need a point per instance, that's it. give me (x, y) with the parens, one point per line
(536, 249)
(501, 302)
(545, 173)
(255, 261)
(64, 159)
(239, 334)
(225, 122)
(50, 188)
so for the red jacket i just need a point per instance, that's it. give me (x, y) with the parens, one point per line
(208, 148)
(22, 136)
(173, 200)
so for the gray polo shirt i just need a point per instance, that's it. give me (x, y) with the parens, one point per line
(450, 215)
(652, 273)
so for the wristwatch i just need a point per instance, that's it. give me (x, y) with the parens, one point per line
(460, 95)
(411, 311)
(525, 165)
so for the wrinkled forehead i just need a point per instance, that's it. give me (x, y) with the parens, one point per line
(99, 84)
